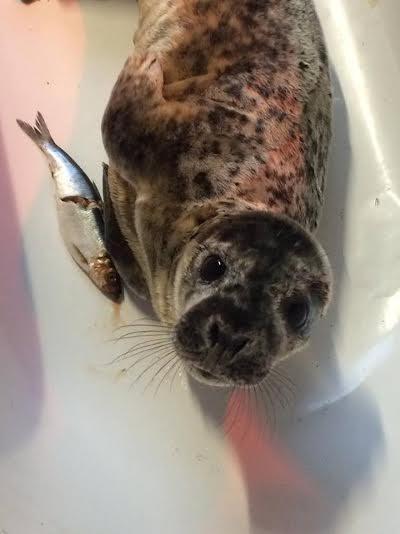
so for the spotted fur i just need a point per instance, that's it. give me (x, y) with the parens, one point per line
(223, 110)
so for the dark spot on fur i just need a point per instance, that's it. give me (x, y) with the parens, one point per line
(215, 148)
(239, 156)
(216, 116)
(204, 187)
(281, 195)
(171, 124)
(203, 6)
(232, 114)
(255, 6)
(241, 138)
(240, 67)
(263, 90)
(314, 147)
(235, 90)
(282, 92)
(223, 34)
(199, 65)
(201, 218)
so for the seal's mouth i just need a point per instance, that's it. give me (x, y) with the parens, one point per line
(226, 379)
(206, 374)
(206, 377)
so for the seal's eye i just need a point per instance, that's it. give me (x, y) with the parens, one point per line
(298, 313)
(212, 269)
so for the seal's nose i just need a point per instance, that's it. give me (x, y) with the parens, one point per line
(217, 335)
(213, 326)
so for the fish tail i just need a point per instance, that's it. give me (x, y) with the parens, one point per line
(41, 127)
(40, 133)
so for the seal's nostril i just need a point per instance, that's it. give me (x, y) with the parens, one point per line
(239, 345)
(213, 334)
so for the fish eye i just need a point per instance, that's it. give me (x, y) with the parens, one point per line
(298, 311)
(212, 269)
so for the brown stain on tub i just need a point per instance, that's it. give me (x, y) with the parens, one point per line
(116, 315)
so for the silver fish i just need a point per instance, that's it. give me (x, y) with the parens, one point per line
(80, 212)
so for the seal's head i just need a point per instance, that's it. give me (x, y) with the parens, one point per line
(248, 288)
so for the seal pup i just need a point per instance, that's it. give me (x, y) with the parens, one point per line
(217, 132)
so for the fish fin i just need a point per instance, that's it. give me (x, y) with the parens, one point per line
(30, 132)
(80, 258)
(39, 134)
(42, 128)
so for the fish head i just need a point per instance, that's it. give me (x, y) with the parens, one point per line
(104, 275)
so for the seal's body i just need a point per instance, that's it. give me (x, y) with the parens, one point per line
(217, 132)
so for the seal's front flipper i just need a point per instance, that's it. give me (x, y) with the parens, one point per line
(118, 248)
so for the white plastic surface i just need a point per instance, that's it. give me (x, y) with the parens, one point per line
(83, 452)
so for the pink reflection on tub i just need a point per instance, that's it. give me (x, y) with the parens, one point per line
(41, 59)
(281, 493)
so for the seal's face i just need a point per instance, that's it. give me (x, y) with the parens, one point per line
(248, 293)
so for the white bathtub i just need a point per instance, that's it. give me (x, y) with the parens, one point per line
(83, 452)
